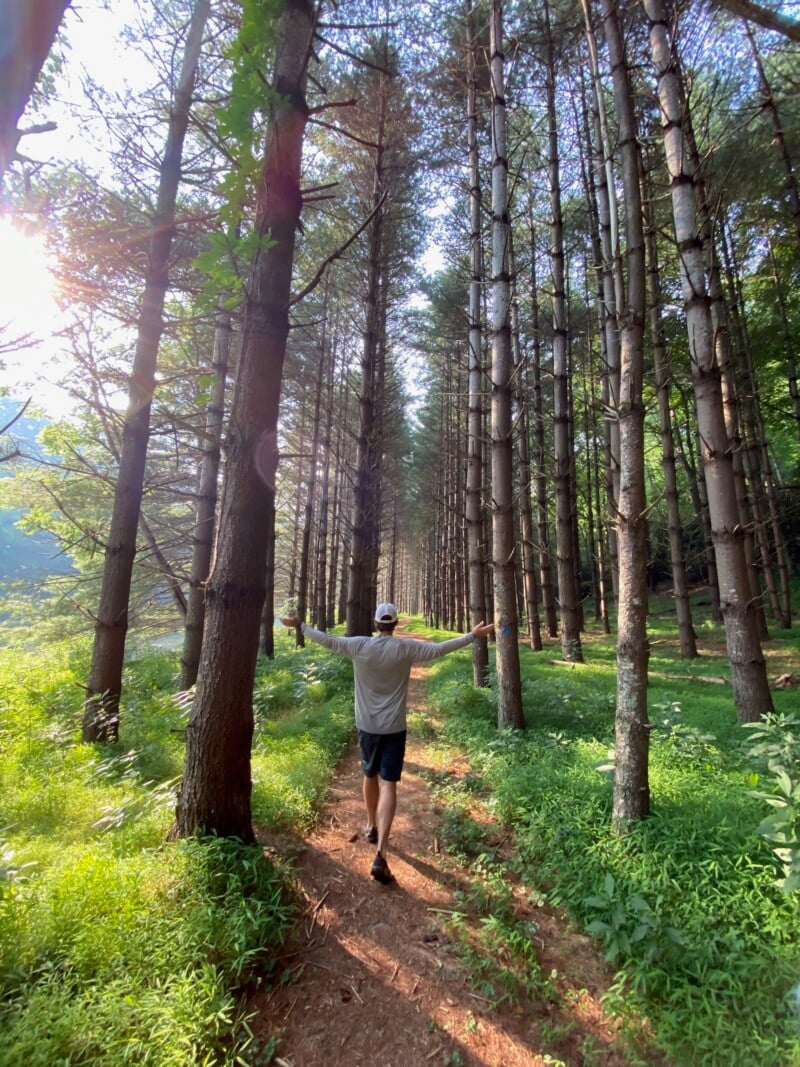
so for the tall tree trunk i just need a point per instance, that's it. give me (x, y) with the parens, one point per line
(631, 780)
(304, 577)
(475, 512)
(663, 378)
(540, 453)
(610, 290)
(757, 458)
(509, 684)
(697, 491)
(104, 687)
(565, 562)
(597, 538)
(788, 334)
(530, 591)
(321, 616)
(365, 547)
(215, 794)
(748, 668)
(769, 104)
(268, 610)
(205, 514)
(730, 389)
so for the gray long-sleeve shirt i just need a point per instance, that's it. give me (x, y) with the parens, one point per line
(382, 667)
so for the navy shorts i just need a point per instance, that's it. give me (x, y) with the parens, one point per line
(382, 754)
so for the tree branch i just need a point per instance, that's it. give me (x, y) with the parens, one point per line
(337, 254)
(344, 133)
(762, 16)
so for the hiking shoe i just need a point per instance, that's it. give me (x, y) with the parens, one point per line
(380, 870)
(371, 834)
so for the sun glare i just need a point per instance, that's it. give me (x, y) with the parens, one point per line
(27, 302)
(30, 316)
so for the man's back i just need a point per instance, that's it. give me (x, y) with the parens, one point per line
(382, 666)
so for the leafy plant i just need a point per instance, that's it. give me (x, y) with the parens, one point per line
(628, 925)
(777, 744)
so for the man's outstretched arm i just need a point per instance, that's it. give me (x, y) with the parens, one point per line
(343, 646)
(428, 650)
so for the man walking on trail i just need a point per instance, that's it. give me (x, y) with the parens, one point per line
(382, 668)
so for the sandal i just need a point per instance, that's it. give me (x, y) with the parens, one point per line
(371, 834)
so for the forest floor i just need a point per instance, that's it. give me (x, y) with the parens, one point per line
(377, 979)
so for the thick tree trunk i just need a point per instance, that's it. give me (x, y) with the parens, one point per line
(101, 712)
(631, 781)
(509, 684)
(27, 32)
(748, 668)
(205, 514)
(215, 794)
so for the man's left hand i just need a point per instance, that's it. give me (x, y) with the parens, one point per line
(483, 629)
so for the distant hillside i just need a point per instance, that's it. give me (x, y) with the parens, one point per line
(22, 556)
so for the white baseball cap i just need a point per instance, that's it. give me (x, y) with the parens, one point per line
(386, 613)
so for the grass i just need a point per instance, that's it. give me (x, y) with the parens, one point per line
(687, 906)
(116, 947)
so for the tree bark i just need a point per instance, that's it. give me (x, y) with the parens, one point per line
(529, 585)
(27, 31)
(565, 562)
(762, 16)
(540, 453)
(509, 684)
(215, 794)
(365, 545)
(475, 514)
(631, 780)
(748, 669)
(663, 377)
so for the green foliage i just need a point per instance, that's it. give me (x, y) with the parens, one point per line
(116, 948)
(777, 744)
(136, 960)
(686, 904)
(240, 125)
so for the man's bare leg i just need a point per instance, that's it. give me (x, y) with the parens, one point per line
(371, 794)
(387, 805)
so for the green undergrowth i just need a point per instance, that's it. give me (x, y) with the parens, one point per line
(117, 947)
(688, 906)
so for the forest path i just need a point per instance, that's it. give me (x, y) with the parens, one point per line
(378, 980)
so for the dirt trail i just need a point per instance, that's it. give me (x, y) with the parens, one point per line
(379, 980)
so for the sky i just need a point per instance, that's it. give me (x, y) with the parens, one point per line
(92, 45)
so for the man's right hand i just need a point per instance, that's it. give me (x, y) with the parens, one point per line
(289, 620)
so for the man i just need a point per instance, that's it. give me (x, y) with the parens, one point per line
(382, 668)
